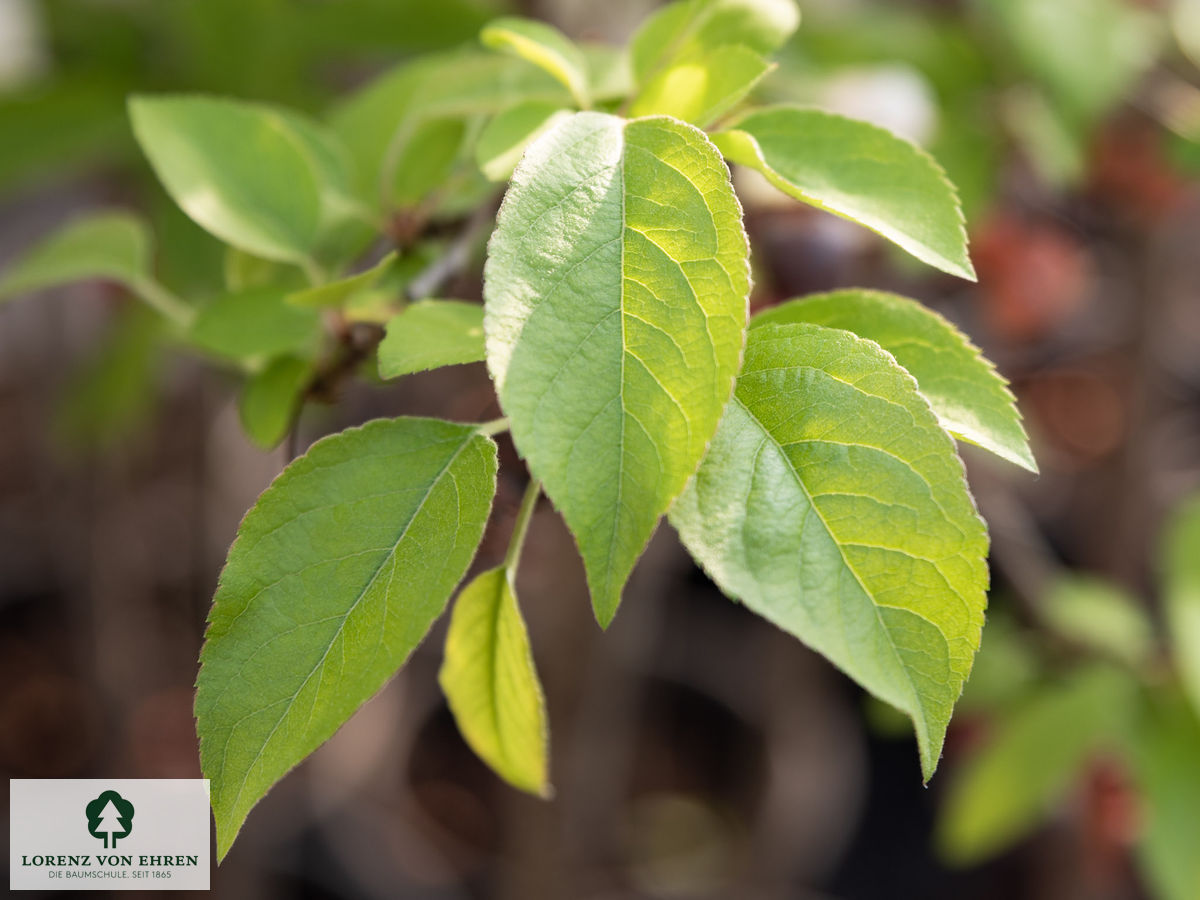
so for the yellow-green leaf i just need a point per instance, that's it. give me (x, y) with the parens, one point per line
(859, 172)
(702, 89)
(491, 684)
(544, 46)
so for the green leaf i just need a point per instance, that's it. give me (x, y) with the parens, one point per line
(1166, 747)
(254, 323)
(1101, 616)
(833, 504)
(431, 334)
(544, 46)
(970, 398)
(490, 682)
(337, 573)
(263, 179)
(114, 246)
(702, 89)
(336, 293)
(270, 398)
(381, 122)
(1014, 782)
(694, 28)
(859, 172)
(504, 139)
(615, 288)
(1181, 593)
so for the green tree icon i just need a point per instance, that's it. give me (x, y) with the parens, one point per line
(110, 816)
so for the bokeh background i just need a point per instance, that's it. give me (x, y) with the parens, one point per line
(696, 751)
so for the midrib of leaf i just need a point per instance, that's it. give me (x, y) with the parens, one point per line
(494, 666)
(917, 708)
(320, 665)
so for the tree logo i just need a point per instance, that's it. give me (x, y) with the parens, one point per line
(110, 816)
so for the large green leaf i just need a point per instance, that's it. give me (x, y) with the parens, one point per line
(859, 172)
(694, 28)
(971, 399)
(544, 46)
(337, 573)
(110, 245)
(615, 289)
(702, 89)
(1013, 783)
(1181, 593)
(431, 334)
(832, 503)
(263, 179)
(490, 682)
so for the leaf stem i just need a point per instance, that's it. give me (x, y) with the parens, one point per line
(164, 301)
(520, 527)
(494, 427)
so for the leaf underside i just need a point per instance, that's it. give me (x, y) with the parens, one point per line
(859, 172)
(969, 396)
(616, 290)
(832, 503)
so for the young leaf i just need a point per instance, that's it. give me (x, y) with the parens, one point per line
(262, 179)
(504, 139)
(431, 334)
(268, 402)
(859, 172)
(1010, 786)
(702, 89)
(1166, 747)
(1181, 594)
(254, 323)
(337, 573)
(971, 399)
(336, 293)
(112, 245)
(544, 46)
(615, 288)
(491, 684)
(694, 28)
(381, 122)
(244, 271)
(832, 503)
